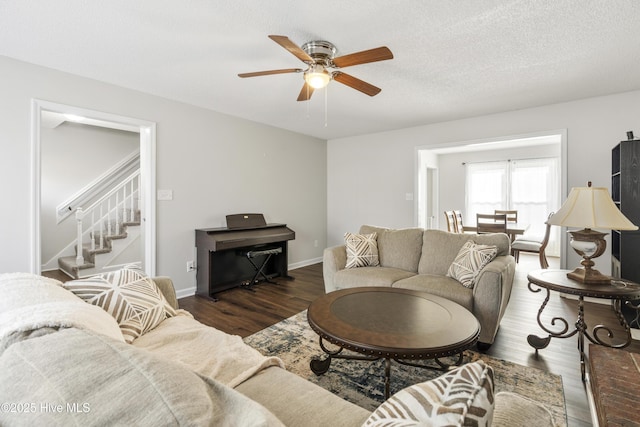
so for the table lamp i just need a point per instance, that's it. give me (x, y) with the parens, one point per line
(590, 207)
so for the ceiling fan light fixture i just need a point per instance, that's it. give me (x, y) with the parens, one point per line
(320, 59)
(317, 76)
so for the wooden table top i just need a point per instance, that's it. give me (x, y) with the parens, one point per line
(512, 227)
(557, 280)
(393, 323)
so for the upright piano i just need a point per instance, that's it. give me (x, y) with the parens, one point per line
(245, 251)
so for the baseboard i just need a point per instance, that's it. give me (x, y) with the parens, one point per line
(305, 263)
(587, 299)
(183, 293)
(591, 401)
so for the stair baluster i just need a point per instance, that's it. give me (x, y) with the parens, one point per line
(79, 254)
(101, 228)
(109, 217)
(93, 231)
(132, 208)
(117, 213)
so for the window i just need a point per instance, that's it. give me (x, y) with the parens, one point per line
(531, 186)
(486, 188)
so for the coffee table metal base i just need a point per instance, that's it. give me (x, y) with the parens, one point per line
(321, 366)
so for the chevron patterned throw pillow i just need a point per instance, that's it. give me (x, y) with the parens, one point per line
(362, 250)
(470, 260)
(131, 297)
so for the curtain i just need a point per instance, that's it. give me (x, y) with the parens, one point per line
(485, 189)
(530, 186)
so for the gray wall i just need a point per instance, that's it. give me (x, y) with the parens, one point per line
(214, 163)
(383, 164)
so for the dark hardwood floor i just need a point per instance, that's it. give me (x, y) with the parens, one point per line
(243, 312)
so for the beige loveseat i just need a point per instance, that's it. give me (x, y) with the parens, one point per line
(418, 259)
(65, 362)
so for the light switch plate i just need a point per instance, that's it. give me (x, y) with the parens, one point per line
(165, 194)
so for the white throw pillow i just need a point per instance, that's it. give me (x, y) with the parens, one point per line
(131, 297)
(470, 260)
(362, 250)
(461, 397)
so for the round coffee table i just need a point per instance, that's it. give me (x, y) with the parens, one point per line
(395, 324)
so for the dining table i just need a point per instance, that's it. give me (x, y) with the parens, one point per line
(513, 229)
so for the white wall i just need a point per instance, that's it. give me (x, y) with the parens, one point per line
(215, 164)
(369, 175)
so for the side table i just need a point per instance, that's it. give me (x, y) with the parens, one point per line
(618, 291)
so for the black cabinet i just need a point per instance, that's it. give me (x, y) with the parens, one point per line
(625, 191)
(625, 245)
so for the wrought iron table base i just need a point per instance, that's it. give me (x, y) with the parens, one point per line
(321, 366)
(581, 329)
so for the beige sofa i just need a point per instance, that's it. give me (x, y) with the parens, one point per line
(65, 362)
(418, 259)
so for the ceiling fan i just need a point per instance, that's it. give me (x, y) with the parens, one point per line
(323, 66)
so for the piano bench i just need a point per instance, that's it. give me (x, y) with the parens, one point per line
(260, 269)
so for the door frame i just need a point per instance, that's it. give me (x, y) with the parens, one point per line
(419, 177)
(147, 176)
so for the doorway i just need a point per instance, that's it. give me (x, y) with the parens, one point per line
(427, 204)
(450, 157)
(147, 141)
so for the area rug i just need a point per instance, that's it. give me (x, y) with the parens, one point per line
(362, 382)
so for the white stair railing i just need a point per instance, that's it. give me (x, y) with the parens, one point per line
(111, 209)
(102, 183)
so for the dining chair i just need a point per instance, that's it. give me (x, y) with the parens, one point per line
(458, 218)
(512, 215)
(534, 245)
(491, 223)
(451, 221)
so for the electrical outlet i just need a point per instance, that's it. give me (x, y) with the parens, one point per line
(190, 266)
(315, 243)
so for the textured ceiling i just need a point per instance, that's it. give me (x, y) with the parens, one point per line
(452, 59)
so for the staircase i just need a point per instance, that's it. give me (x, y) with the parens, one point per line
(108, 233)
(99, 254)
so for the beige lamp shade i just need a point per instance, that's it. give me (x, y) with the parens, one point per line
(591, 207)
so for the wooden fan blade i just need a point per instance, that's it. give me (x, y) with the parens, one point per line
(305, 93)
(293, 48)
(267, 73)
(356, 84)
(372, 55)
